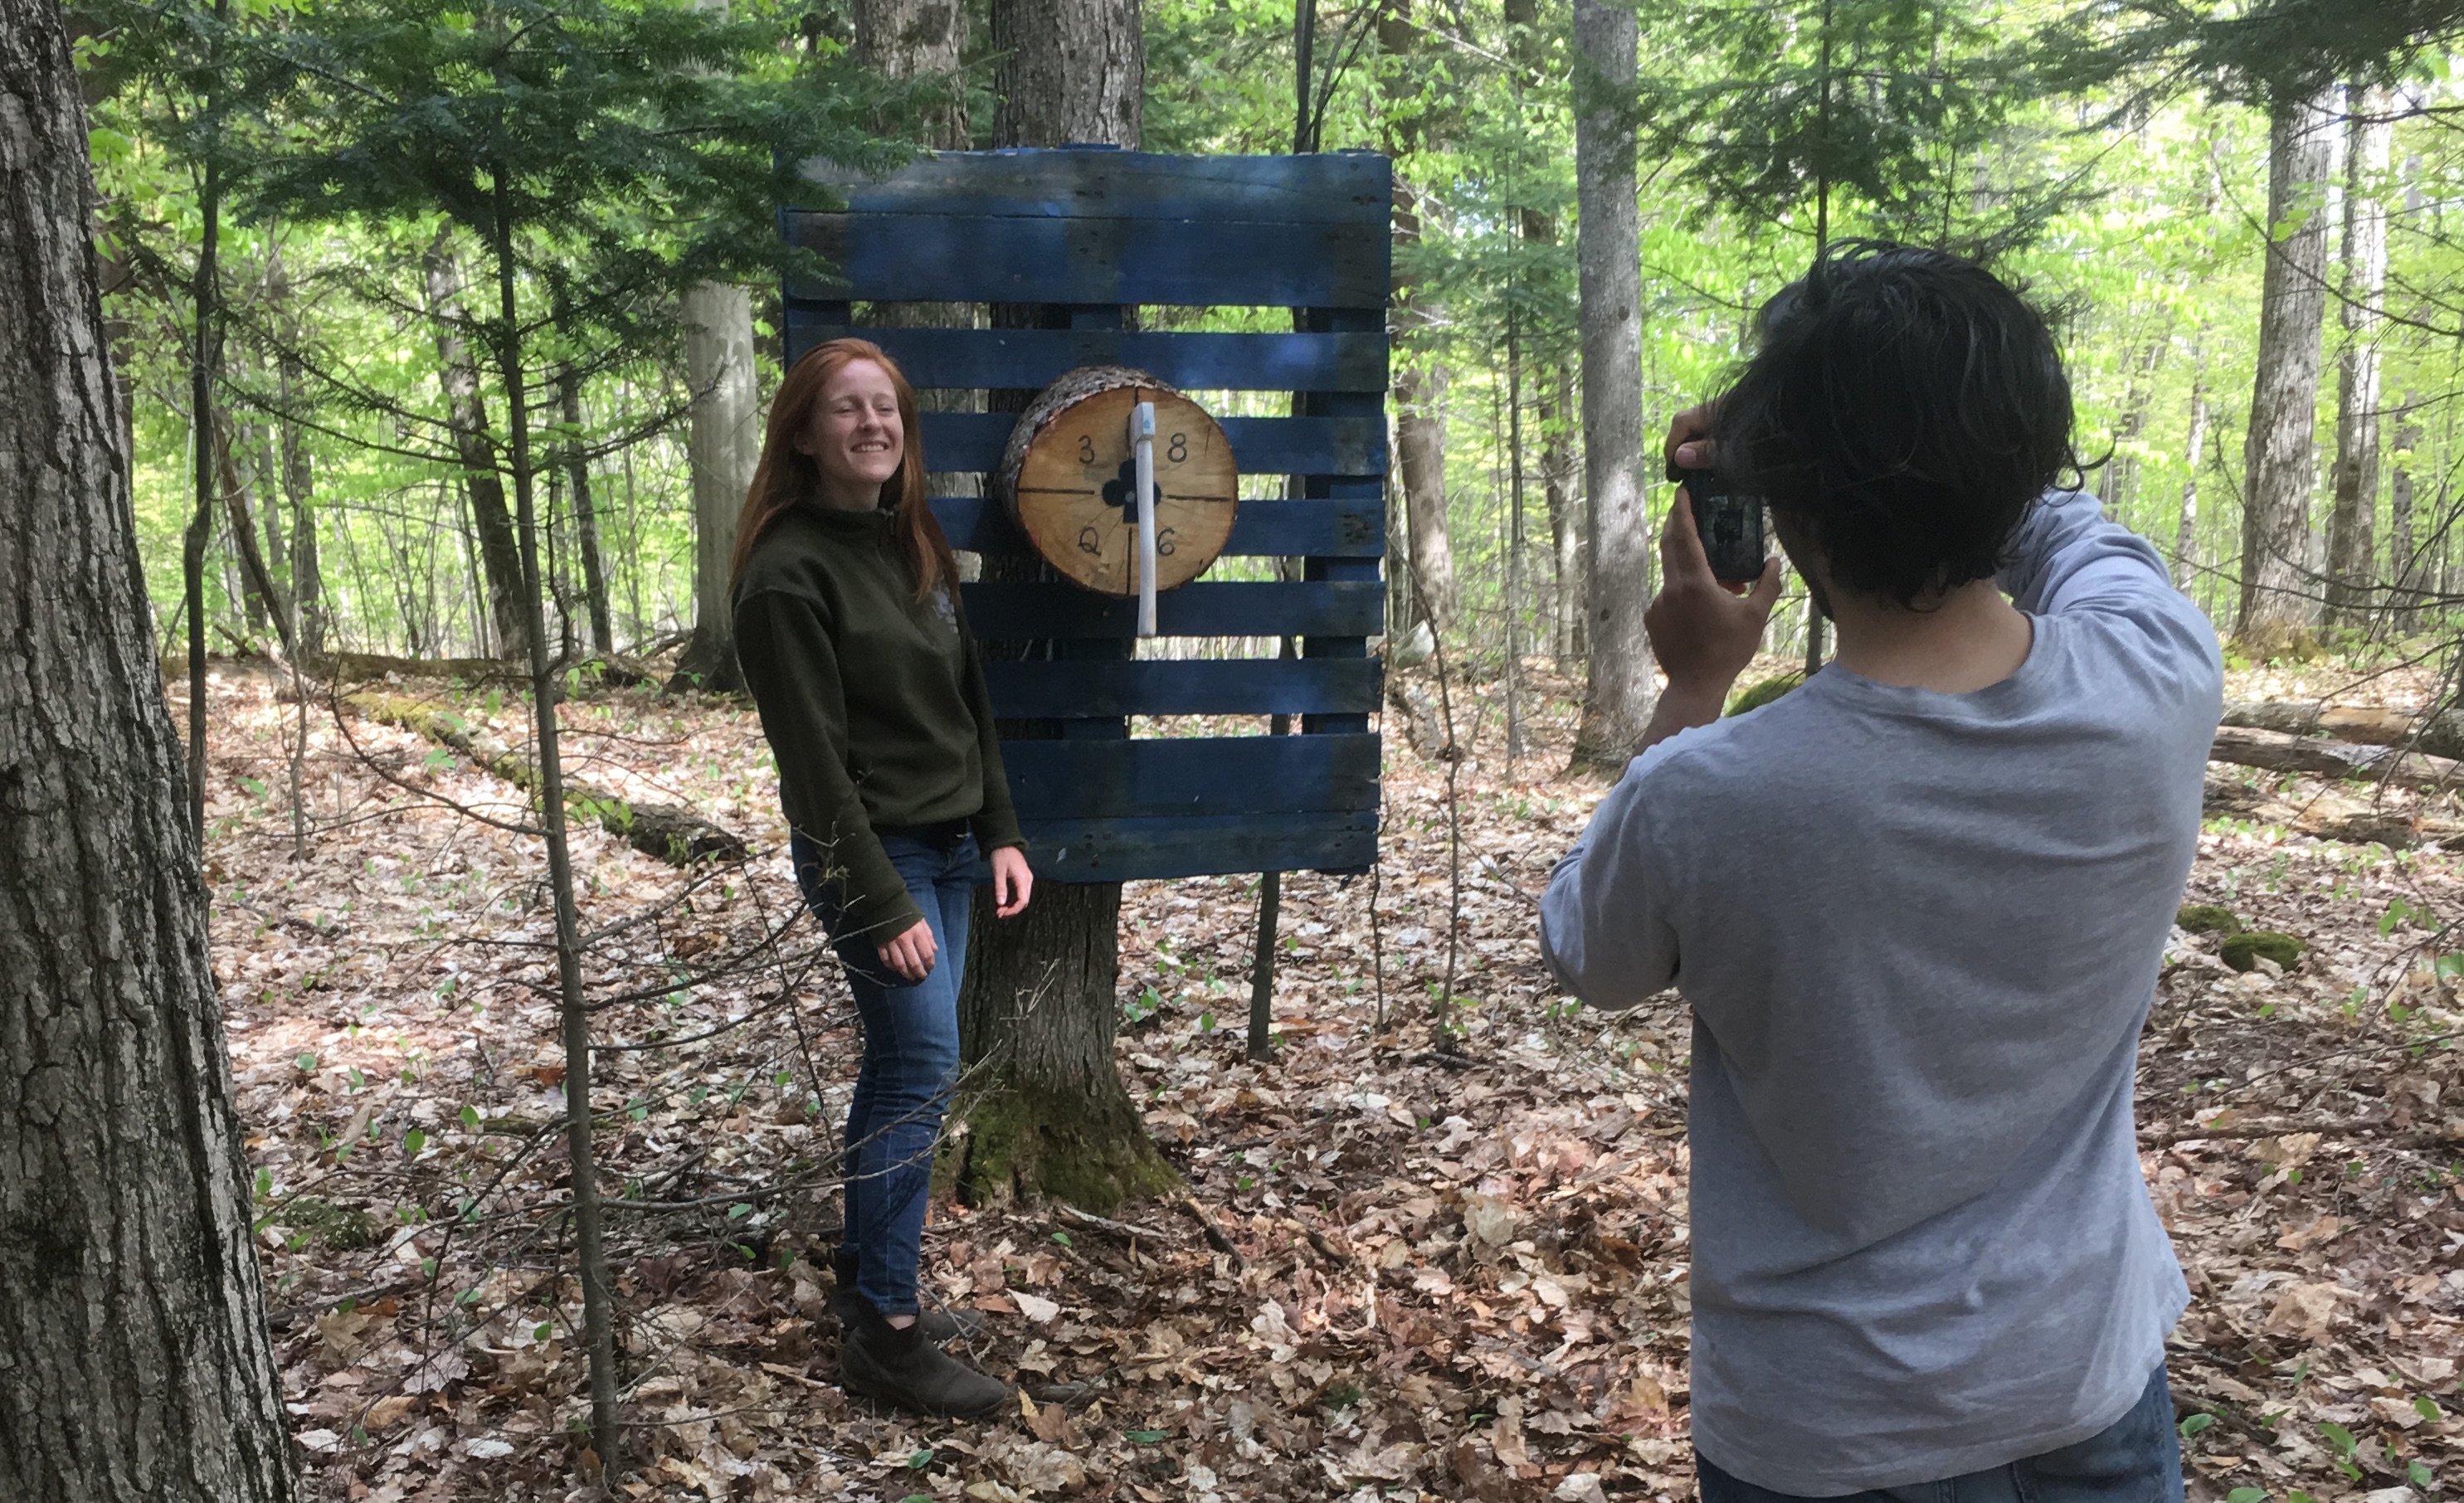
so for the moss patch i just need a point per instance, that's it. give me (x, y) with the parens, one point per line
(1013, 1143)
(1754, 696)
(2207, 918)
(314, 1219)
(2242, 952)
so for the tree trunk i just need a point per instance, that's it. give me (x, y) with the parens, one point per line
(574, 1017)
(1565, 521)
(466, 416)
(259, 593)
(910, 40)
(2404, 545)
(1045, 1112)
(1069, 70)
(585, 515)
(722, 446)
(723, 442)
(2277, 602)
(1419, 378)
(131, 1308)
(2352, 551)
(1620, 689)
(2185, 542)
(2120, 479)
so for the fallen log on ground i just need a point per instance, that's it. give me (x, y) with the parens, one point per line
(674, 835)
(2440, 736)
(2331, 816)
(2279, 752)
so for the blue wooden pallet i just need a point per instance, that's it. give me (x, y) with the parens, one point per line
(1088, 236)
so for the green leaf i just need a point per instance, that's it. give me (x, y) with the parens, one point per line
(471, 1118)
(412, 1142)
(2196, 1424)
(2419, 1474)
(1145, 1437)
(1063, 1237)
(2247, 1495)
(2339, 1438)
(921, 1459)
(305, 1061)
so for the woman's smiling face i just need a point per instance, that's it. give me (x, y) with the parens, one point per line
(856, 437)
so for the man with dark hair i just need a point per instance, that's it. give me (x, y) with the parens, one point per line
(1917, 907)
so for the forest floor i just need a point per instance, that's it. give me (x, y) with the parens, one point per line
(1457, 1277)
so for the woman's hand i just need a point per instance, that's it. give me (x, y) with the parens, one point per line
(911, 952)
(1012, 881)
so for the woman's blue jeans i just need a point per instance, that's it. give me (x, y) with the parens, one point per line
(910, 1056)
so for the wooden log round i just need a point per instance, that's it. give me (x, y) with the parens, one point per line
(1068, 478)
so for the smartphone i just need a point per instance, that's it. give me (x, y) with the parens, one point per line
(1730, 526)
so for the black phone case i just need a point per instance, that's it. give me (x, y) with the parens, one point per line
(1730, 527)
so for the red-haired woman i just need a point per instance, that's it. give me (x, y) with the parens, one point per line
(872, 696)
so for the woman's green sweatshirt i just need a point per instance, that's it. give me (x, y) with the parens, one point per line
(873, 700)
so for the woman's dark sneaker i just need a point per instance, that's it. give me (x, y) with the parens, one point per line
(901, 1366)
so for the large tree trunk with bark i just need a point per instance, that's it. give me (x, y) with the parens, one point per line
(2352, 551)
(474, 443)
(1621, 690)
(1045, 1112)
(722, 442)
(2279, 599)
(132, 1317)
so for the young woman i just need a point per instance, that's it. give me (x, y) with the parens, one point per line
(872, 696)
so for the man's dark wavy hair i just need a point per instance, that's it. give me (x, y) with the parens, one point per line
(1903, 410)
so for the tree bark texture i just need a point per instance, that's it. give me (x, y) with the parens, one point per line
(1620, 692)
(2278, 600)
(919, 39)
(1070, 70)
(133, 1363)
(466, 416)
(2352, 550)
(1045, 1112)
(722, 443)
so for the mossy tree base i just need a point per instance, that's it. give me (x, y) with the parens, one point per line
(1043, 1114)
(1012, 1143)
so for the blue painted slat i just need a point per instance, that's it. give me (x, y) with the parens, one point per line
(965, 441)
(1344, 570)
(1342, 528)
(1032, 359)
(1060, 779)
(1119, 850)
(989, 259)
(1181, 687)
(1345, 188)
(1021, 611)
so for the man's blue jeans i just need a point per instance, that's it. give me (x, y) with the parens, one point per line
(910, 1056)
(2137, 1459)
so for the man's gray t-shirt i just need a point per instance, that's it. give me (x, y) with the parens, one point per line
(1920, 934)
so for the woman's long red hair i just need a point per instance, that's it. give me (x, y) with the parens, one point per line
(788, 477)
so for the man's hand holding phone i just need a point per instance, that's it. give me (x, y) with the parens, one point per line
(1702, 631)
